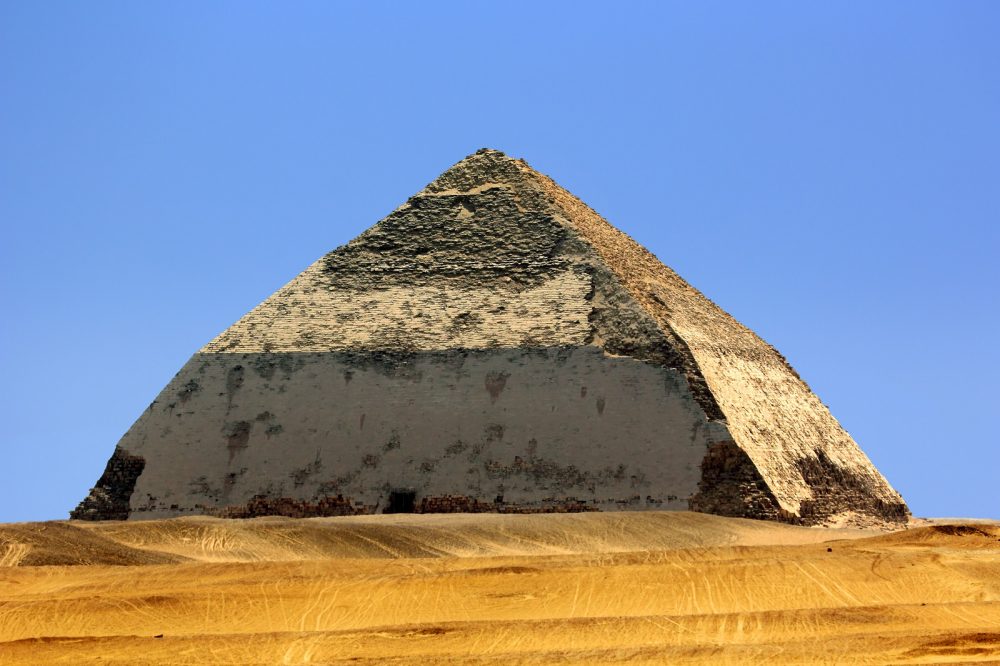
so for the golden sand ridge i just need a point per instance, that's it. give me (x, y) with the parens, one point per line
(649, 587)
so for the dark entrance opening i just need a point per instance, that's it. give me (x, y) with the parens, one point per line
(401, 501)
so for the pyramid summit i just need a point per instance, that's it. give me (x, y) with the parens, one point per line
(493, 344)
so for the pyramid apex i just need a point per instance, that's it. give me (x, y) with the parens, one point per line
(491, 154)
(483, 167)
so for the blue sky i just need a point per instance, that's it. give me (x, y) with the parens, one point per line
(826, 172)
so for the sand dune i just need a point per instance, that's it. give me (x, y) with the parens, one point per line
(583, 588)
(207, 539)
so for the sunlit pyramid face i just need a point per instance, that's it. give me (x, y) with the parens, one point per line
(491, 345)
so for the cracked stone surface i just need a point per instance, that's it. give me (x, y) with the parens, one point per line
(492, 343)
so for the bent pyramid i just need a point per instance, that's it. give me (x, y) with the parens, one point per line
(491, 345)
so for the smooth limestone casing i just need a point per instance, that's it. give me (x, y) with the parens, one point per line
(531, 425)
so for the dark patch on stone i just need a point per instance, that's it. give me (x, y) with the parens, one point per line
(730, 485)
(392, 363)
(393, 443)
(188, 391)
(495, 383)
(234, 382)
(264, 505)
(600, 405)
(267, 363)
(237, 437)
(231, 479)
(463, 322)
(544, 473)
(469, 504)
(109, 499)
(456, 448)
(491, 433)
(837, 489)
(301, 475)
(201, 486)
(336, 486)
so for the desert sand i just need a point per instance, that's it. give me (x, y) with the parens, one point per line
(646, 588)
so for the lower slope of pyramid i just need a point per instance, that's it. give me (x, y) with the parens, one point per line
(544, 429)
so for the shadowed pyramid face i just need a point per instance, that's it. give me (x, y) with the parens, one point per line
(491, 345)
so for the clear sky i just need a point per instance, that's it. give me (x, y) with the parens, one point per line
(826, 172)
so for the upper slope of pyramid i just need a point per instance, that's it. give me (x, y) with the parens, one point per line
(478, 259)
(493, 254)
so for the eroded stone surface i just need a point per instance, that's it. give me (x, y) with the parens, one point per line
(493, 339)
(109, 499)
(538, 427)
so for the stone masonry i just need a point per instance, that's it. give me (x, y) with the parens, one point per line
(491, 345)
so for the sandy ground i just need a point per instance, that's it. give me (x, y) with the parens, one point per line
(475, 589)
